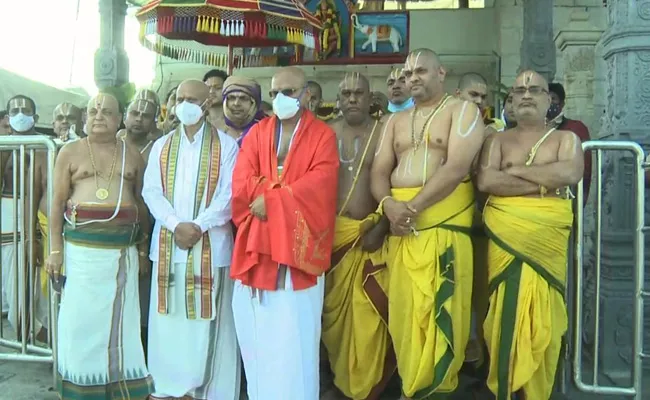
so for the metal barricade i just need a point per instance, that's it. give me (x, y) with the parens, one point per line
(23, 152)
(635, 389)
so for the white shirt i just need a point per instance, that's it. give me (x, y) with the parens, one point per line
(215, 219)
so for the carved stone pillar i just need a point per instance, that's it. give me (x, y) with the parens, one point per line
(537, 47)
(577, 42)
(111, 61)
(624, 47)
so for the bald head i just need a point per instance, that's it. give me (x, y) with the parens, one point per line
(530, 97)
(473, 87)
(104, 115)
(290, 82)
(65, 116)
(354, 98)
(192, 90)
(425, 57)
(424, 75)
(316, 95)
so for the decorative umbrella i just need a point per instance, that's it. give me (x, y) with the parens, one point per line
(164, 24)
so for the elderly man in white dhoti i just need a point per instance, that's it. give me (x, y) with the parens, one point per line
(98, 209)
(193, 351)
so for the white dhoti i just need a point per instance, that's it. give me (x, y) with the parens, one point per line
(99, 348)
(195, 357)
(11, 303)
(279, 335)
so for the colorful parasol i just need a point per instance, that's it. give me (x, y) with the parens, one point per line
(164, 24)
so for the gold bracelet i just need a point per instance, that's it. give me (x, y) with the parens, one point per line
(381, 203)
(55, 252)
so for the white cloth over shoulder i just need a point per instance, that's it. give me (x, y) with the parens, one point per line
(215, 219)
(279, 335)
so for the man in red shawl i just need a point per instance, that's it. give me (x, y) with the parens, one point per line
(284, 206)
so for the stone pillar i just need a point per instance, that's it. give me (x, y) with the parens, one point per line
(624, 47)
(111, 61)
(537, 47)
(577, 43)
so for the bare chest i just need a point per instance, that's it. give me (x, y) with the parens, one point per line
(519, 152)
(417, 130)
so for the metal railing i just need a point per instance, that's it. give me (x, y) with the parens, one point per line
(24, 151)
(635, 389)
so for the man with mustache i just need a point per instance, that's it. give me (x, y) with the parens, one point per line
(65, 117)
(215, 79)
(527, 171)
(355, 313)
(399, 98)
(421, 179)
(140, 123)
(97, 217)
(242, 106)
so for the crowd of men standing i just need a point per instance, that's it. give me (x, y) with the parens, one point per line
(409, 242)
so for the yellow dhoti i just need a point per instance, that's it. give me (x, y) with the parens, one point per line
(355, 314)
(527, 261)
(45, 244)
(431, 287)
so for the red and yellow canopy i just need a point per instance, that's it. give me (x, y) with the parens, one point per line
(234, 23)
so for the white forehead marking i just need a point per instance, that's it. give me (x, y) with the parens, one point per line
(18, 103)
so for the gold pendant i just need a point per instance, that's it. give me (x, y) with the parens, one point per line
(101, 194)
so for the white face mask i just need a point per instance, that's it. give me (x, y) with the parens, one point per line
(21, 122)
(188, 113)
(285, 107)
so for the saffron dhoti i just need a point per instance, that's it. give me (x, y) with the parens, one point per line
(431, 293)
(527, 260)
(100, 355)
(355, 314)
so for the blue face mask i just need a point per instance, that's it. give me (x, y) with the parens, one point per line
(393, 108)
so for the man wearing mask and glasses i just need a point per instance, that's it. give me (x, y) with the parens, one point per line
(284, 207)
(192, 346)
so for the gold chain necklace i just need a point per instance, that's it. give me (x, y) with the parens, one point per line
(102, 193)
(417, 142)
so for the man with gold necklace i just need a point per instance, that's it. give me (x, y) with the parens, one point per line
(355, 310)
(421, 179)
(97, 219)
(193, 350)
(527, 171)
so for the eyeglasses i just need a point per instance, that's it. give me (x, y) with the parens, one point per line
(534, 90)
(286, 92)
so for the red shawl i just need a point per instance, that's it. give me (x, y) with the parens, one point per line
(300, 206)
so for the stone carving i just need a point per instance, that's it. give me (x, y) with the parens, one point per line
(537, 47)
(111, 60)
(643, 9)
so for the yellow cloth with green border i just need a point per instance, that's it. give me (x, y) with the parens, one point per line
(527, 263)
(431, 286)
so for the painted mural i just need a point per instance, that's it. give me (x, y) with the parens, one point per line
(349, 36)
